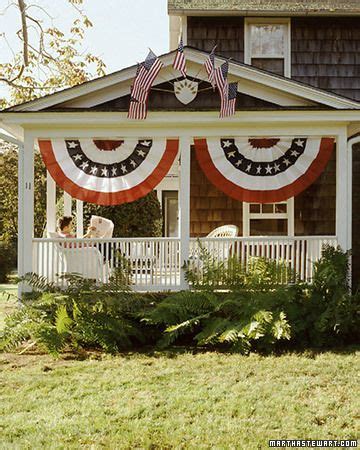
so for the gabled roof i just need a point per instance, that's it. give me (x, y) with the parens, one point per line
(251, 81)
(302, 7)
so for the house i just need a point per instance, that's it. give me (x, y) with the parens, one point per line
(297, 68)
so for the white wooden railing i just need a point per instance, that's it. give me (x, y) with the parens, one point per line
(296, 253)
(154, 263)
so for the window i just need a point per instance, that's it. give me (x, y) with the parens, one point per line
(268, 219)
(170, 213)
(267, 44)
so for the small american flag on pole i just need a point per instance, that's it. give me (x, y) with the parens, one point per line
(180, 61)
(228, 100)
(210, 67)
(145, 76)
(221, 74)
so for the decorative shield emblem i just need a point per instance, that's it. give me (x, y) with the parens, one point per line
(186, 90)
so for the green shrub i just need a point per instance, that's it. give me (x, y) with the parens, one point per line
(257, 313)
(208, 272)
(83, 316)
(7, 260)
(241, 322)
(128, 218)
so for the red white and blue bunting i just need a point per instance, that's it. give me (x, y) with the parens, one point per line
(108, 172)
(263, 170)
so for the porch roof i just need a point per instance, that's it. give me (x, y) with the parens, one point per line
(252, 81)
(332, 7)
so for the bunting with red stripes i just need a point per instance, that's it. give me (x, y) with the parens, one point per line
(108, 172)
(263, 170)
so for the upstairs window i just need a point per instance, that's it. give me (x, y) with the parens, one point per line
(267, 44)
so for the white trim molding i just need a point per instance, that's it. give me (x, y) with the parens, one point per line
(287, 40)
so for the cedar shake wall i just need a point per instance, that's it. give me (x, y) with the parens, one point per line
(315, 208)
(225, 32)
(209, 207)
(325, 53)
(356, 217)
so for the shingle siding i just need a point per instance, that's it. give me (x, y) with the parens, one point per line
(325, 52)
(225, 32)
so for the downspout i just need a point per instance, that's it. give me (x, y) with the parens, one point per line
(351, 142)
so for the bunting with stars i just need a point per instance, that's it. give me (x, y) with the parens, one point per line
(108, 172)
(263, 170)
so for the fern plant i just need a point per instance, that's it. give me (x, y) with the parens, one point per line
(83, 315)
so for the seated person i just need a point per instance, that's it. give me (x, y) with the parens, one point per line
(65, 230)
(65, 225)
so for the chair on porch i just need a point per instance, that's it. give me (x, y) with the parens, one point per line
(219, 248)
(79, 259)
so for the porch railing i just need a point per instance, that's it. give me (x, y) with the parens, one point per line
(154, 263)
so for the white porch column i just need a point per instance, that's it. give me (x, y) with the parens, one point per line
(184, 206)
(25, 208)
(67, 204)
(343, 196)
(50, 203)
(79, 219)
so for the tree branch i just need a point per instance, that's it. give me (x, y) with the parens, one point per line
(22, 8)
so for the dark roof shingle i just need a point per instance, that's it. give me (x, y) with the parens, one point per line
(265, 6)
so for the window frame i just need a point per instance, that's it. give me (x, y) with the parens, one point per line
(289, 216)
(287, 40)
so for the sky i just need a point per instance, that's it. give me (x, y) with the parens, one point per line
(122, 33)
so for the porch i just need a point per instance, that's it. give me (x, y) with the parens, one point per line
(154, 264)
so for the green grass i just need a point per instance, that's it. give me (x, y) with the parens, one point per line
(8, 300)
(177, 400)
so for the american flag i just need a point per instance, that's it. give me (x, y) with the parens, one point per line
(221, 74)
(145, 76)
(210, 67)
(137, 109)
(228, 101)
(180, 61)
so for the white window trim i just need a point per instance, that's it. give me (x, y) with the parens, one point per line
(287, 41)
(289, 215)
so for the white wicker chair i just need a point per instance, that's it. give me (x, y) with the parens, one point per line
(216, 248)
(86, 261)
(226, 231)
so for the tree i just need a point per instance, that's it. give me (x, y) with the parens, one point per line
(49, 59)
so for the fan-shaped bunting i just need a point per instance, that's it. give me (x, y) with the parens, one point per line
(108, 172)
(263, 170)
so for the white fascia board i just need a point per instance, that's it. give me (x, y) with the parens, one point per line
(285, 92)
(282, 84)
(165, 119)
(86, 88)
(247, 87)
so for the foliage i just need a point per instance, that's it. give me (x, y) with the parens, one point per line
(82, 316)
(324, 312)
(206, 271)
(128, 218)
(256, 314)
(9, 198)
(49, 58)
(7, 260)
(241, 321)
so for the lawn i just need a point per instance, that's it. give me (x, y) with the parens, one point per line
(8, 300)
(177, 400)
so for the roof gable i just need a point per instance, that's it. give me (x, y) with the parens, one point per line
(252, 81)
